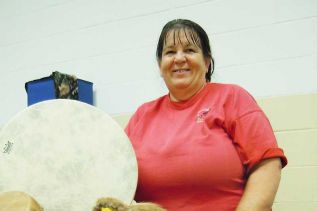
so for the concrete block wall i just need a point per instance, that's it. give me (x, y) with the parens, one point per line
(268, 47)
(294, 119)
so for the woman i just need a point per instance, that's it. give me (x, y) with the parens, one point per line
(203, 146)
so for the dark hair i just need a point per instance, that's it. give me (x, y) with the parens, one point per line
(192, 31)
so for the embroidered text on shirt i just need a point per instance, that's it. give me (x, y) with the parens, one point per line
(202, 114)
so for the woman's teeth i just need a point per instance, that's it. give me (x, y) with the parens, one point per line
(181, 70)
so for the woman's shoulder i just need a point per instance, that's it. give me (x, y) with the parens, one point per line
(231, 94)
(226, 89)
(151, 105)
(144, 111)
(224, 86)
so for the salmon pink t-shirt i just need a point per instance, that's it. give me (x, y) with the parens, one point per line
(197, 154)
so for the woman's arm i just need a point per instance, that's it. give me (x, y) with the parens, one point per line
(261, 186)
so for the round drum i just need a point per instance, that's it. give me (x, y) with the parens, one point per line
(67, 154)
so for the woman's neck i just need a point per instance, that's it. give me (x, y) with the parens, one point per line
(183, 94)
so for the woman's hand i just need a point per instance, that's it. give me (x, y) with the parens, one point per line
(261, 186)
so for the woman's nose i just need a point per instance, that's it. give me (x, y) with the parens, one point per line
(180, 57)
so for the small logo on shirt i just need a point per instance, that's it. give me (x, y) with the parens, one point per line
(201, 115)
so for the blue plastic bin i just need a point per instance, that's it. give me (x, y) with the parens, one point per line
(85, 91)
(44, 89)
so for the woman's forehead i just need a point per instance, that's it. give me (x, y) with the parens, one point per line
(181, 36)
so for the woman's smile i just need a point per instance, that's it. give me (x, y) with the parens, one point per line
(181, 70)
(183, 66)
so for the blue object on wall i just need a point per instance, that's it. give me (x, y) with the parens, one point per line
(85, 92)
(44, 89)
(40, 90)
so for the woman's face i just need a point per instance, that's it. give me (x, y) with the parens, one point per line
(183, 66)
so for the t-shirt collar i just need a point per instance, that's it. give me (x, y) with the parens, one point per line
(189, 102)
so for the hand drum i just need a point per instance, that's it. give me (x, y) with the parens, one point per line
(66, 154)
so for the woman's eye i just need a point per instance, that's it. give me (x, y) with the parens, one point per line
(169, 52)
(190, 50)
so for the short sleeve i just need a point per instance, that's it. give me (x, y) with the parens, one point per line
(131, 124)
(250, 130)
(135, 120)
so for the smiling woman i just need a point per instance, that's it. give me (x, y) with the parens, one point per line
(204, 145)
(183, 65)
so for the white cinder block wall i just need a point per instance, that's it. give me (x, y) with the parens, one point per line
(269, 47)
